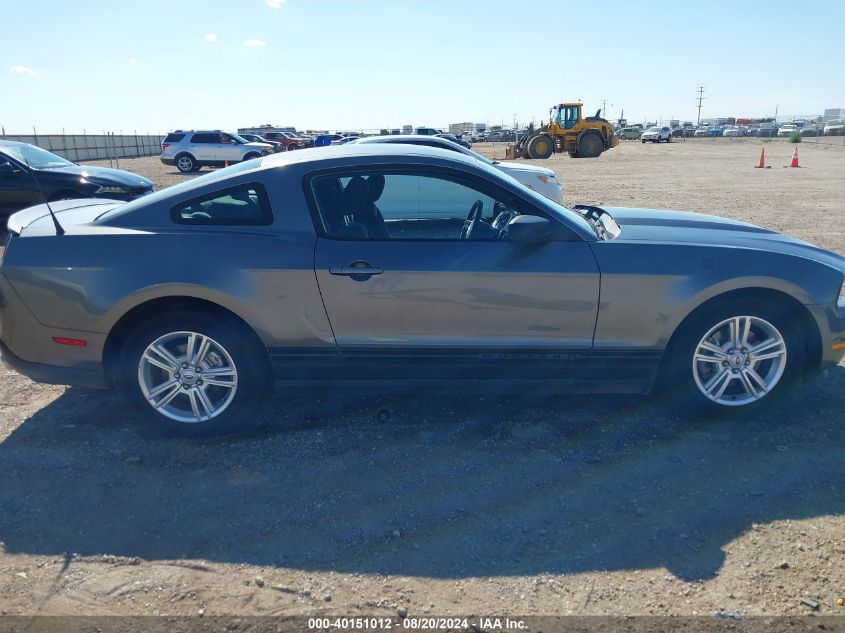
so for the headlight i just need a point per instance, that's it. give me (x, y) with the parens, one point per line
(113, 190)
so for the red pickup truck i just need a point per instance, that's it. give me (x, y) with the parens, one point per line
(289, 140)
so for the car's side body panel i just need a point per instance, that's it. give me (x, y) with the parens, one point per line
(591, 314)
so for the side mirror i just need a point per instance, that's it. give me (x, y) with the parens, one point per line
(530, 229)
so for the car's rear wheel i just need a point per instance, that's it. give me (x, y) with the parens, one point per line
(740, 354)
(185, 163)
(192, 374)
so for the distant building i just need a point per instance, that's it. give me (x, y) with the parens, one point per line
(461, 128)
(834, 114)
(261, 129)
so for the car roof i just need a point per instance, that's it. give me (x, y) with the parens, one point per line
(409, 139)
(11, 143)
(363, 150)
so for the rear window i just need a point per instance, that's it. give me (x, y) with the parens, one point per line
(242, 205)
(173, 137)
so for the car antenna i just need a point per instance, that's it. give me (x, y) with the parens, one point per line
(59, 229)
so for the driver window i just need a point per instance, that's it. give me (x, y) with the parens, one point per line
(409, 207)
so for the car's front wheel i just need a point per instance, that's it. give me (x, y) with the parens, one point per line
(737, 355)
(193, 375)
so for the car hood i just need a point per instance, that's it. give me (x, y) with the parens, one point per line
(70, 213)
(258, 144)
(104, 176)
(523, 168)
(682, 227)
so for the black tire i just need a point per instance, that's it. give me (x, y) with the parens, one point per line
(185, 163)
(541, 147)
(590, 146)
(643, 140)
(668, 139)
(679, 377)
(241, 345)
(251, 155)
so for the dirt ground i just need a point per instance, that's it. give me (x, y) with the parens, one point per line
(435, 505)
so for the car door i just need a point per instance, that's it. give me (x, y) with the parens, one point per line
(17, 188)
(227, 149)
(203, 146)
(406, 296)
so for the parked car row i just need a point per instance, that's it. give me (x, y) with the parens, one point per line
(765, 130)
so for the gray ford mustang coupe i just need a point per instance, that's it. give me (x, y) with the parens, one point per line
(388, 265)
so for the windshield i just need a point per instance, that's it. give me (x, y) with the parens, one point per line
(653, 129)
(35, 157)
(239, 139)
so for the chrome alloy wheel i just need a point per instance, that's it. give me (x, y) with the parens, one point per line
(188, 377)
(184, 163)
(739, 361)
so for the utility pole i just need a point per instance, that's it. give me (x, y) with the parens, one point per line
(701, 98)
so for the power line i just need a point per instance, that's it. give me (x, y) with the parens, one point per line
(701, 98)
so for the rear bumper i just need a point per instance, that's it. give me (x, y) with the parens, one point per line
(52, 374)
(168, 161)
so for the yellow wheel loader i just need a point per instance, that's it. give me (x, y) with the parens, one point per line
(567, 131)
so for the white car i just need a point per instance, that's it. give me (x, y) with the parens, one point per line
(787, 130)
(540, 179)
(834, 128)
(732, 131)
(656, 134)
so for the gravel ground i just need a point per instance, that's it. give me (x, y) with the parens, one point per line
(597, 505)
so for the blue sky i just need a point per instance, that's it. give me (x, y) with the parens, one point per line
(360, 64)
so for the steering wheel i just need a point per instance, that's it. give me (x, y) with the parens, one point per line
(473, 218)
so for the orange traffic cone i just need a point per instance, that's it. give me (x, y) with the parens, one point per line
(762, 163)
(794, 162)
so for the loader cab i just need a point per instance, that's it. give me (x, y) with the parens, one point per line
(566, 115)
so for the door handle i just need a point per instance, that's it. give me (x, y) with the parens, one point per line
(356, 269)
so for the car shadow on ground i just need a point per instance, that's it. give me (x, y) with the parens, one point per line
(425, 486)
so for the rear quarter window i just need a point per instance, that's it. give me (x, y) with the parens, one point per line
(173, 138)
(242, 205)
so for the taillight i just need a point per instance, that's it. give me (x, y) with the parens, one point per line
(164, 146)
